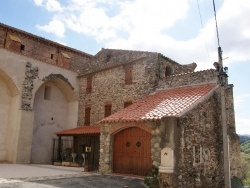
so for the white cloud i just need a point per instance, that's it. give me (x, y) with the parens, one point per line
(241, 99)
(143, 25)
(50, 5)
(54, 26)
(241, 103)
(242, 125)
(53, 5)
(38, 2)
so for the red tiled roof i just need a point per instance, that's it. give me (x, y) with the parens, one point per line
(171, 102)
(80, 131)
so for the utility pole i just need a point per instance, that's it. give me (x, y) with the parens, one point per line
(223, 81)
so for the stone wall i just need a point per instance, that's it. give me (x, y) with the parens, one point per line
(108, 79)
(106, 142)
(234, 141)
(108, 86)
(199, 158)
(189, 78)
(42, 49)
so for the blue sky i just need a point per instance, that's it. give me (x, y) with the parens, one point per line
(171, 27)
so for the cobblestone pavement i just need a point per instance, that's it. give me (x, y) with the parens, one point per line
(34, 176)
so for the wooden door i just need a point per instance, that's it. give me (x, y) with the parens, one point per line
(132, 152)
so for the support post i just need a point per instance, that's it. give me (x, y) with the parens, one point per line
(59, 149)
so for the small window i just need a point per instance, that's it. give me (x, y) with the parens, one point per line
(87, 116)
(128, 103)
(89, 84)
(47, 93)
(107, 110)
(22, 47)
(128, 74)
(168, 71)
(51, 56)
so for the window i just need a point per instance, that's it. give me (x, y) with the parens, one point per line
(89, 84)
(128, 74)
(108, 58)
(168, 71)
(107, 110)
(47, 93)
(128, 103)
(22, 47)
(87, 115)
(51, 56)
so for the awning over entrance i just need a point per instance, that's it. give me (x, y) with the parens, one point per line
(82, 130)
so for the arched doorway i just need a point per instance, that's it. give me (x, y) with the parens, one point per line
(8, 115)
(53, 106)
(132, 152)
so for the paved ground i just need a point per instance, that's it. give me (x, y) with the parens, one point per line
(48, 176)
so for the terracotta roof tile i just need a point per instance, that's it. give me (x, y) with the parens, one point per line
(80, 131)
(165, 103)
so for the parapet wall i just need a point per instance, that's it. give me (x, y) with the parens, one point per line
(190, 78)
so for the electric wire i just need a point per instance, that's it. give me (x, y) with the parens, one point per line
(198, 5)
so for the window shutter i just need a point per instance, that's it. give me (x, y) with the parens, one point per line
(107, 110)
(87, 116)
(128, 74)
(89, 84)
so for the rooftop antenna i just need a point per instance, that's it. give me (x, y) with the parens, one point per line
(223, 81)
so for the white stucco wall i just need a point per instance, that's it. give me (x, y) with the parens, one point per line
(50, 117)
(16, 125)
(5, 100)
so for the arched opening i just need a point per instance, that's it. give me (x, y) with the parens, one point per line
(9, 103)
(55, 109)
(132, 151)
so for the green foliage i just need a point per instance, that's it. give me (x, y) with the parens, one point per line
(246, 182)
(236, 183)
(245, 147)
(151, 180)
(245, 167)
(245, 159)
(244, 138)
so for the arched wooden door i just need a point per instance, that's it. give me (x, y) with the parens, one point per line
(132, 152)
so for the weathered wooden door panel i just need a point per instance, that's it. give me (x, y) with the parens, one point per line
(132, 152)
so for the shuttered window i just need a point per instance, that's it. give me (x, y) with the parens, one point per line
(87, 115)
(89, 84)
(128, 74)
(107, 110)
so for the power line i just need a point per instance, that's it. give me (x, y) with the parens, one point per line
(198, 5)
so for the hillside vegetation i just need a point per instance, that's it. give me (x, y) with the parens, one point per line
(245, 159)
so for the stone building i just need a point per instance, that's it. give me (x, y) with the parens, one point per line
(38, 96)
(149, 110)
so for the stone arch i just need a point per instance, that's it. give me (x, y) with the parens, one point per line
(9, 106)
(55, 108)
(118, 128)
(63, 84)
(10, 83)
